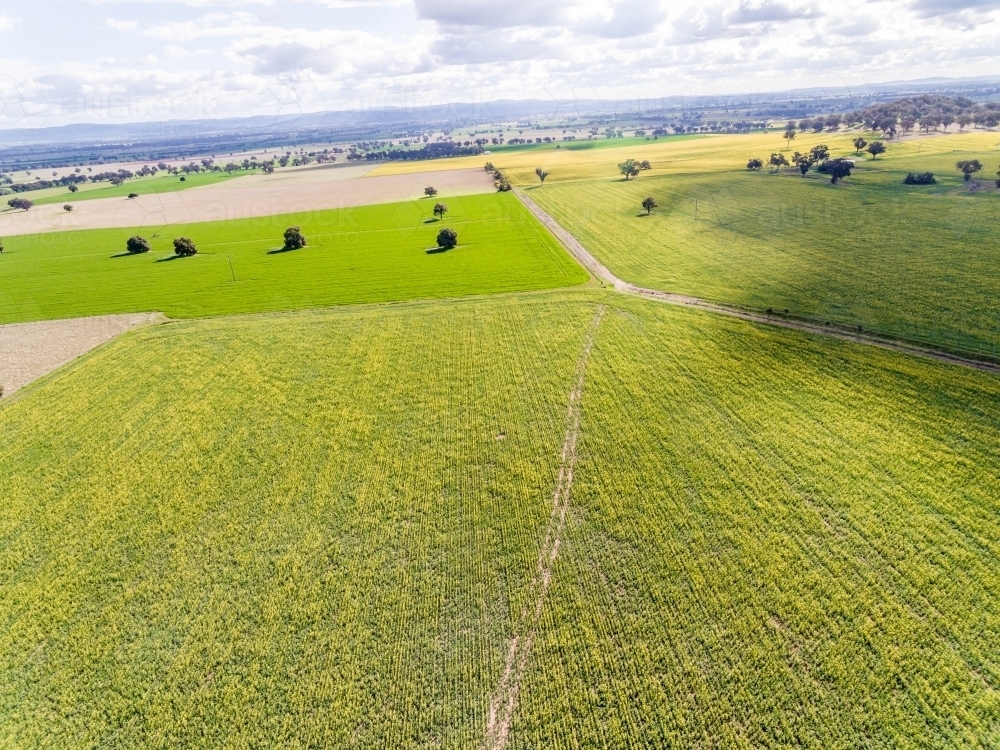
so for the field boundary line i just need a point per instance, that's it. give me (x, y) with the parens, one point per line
(602, 273)
(504, 699)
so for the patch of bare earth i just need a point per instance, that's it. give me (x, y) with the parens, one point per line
(30, 350)
(254, 196)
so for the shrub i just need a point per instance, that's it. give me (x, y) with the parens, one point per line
(133, 195)
(920, 178)
(183, 178)
(645, 165)
(754, 164)
(136, 245)
(20, 203)
(67, 208)
(73, 188)
(447, 238)
(294, 239)
(184, 247)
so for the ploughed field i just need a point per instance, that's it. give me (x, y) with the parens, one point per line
(375, 253)
(915, 262)
(323, 529)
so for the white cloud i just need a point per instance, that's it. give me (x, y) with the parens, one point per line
(125, 26)
(230, 57)
(6, 22)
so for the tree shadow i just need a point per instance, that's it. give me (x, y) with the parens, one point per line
(431, 221)
(126, 254)
(436, 250)
(642, 215)
(169, 258)
(280, 250)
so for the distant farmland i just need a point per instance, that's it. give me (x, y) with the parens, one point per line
(366, 254)
(322, 528)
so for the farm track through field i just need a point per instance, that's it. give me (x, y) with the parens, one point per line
(504, 699)
(602, 273)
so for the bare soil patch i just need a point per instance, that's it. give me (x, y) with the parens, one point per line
(30, 350)
(286, 191)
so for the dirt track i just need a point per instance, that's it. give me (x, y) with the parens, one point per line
(30, 350)
(286, 191)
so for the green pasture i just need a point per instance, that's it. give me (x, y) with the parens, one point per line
(922, 263)
(369, 254)
(317, 529)
(160, 183)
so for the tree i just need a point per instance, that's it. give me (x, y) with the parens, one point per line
(294, 239)
(859, 143)
(629, 168)
(133, 196)
(649, 204)
(430, 192)
(789, 134)
(73, 188)
(819, 153)
(1, 247)
(968, 168)
(67, 208)
(135, 245)
(875, 148)
(838, 169)
(447, 238)
(920, 178)
(440, 209)
(754, 164)
(184, 247)
(542, 174)
(777, 161)
(22, 204)
(645, 165)
(802, 161)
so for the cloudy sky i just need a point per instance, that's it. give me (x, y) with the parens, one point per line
(131, 60)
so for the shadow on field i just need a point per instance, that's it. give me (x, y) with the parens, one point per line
(280, 250)
(436, 250)
(169, 258)
(431, 221)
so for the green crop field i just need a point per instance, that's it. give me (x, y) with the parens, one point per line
(320, 529)
(161, 183)
(914, 262)
(367, 254)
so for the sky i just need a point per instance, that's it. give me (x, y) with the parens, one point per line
(65, 61)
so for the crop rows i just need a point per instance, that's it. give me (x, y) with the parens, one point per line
(320, 529)
(777, 542)
(302, 531)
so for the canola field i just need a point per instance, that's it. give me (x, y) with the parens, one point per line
(377, 253)
(319, 529)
